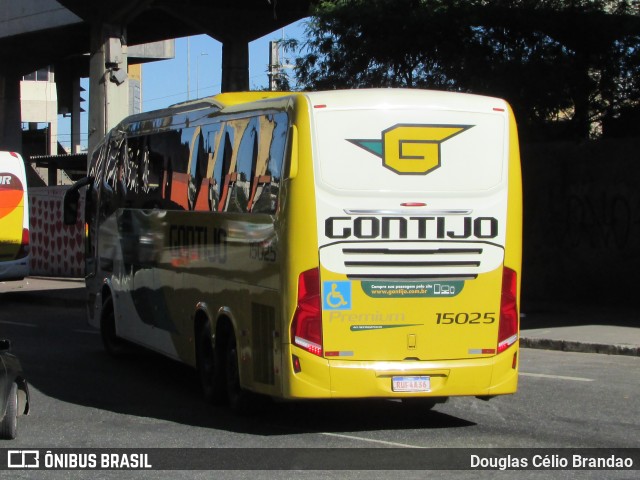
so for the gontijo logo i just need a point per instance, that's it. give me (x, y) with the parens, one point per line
(411, 149)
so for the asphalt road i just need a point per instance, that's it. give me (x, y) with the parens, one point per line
(83, 398)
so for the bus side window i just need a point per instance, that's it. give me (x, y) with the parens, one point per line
(131, 156)
(111, 185)
(149, 173)
(266, 181)
(213, 135)
(152, 178)
(171, 157)
(198, 160)
(225, 168)
(247, 154)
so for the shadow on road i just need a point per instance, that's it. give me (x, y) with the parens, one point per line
(64, 359)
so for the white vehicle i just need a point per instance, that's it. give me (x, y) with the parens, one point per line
(14, 218)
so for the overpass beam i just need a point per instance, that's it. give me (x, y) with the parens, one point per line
(108, 83)
(10, 116)
(235, 65)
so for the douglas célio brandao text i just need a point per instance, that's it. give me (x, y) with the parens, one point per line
(551, 462)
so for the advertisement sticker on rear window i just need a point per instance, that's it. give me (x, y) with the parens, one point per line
(382, 289)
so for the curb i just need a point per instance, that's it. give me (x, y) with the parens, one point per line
(581, 347)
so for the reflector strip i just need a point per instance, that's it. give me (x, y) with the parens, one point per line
(309, 346)
(508, 342)
(482, 351)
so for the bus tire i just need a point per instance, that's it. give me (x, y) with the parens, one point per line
(9, 425)
(115, 346)
(210, 368)
(240, 400)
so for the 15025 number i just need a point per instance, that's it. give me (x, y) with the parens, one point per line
(463, 318)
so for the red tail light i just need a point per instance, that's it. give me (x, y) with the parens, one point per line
(306, 328)
(24, 244)
(508, 329)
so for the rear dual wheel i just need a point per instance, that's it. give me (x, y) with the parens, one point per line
(210, 367)
(115, 346)
(241, 401)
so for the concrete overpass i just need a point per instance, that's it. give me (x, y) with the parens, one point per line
(97, 38)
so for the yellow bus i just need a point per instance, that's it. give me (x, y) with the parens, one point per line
(14, 218)
(343, 244)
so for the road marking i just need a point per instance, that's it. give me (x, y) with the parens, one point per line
(30, 325)
(557, 377)
(370, 440)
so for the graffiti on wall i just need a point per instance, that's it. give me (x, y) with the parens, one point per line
(607, 221)
(581, 220)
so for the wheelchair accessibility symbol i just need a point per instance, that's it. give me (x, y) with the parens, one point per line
(337, 295)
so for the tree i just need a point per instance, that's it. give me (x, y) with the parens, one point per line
(576, 60)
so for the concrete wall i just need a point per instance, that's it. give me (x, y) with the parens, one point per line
(57, 250)
(39, 104)
(581, 222)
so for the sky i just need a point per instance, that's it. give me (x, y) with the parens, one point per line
(165, 82)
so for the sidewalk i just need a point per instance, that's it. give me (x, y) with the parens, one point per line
(582, 328)
(567, 327)
(46, 291)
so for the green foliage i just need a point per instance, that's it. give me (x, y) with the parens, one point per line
(571, 63)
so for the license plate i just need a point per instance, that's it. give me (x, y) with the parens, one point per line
(411, 384)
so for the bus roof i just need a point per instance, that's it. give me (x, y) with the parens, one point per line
(381, 98)
(238, 98)
(333, 99)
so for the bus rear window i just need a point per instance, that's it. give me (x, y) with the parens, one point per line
(403, 150)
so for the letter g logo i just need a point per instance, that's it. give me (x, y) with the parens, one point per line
(411, 149)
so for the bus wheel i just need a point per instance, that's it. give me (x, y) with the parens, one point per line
(116, 347)
(9, 425)
(240, 400)
(209, 367)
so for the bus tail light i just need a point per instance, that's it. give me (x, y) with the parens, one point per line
(508, 328)
(24, 244)
(306, 328)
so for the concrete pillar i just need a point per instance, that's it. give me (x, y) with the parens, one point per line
(235, 65)
(52, 120)
(76, 90)
(10, 127)
(108, 84)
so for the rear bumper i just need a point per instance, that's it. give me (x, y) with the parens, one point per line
(322, 378)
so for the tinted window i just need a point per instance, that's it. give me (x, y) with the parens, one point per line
(212, 135)
(268, 175)
(240, 187)
(166, 149)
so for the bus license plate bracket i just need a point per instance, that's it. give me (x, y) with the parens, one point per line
(414, 383)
